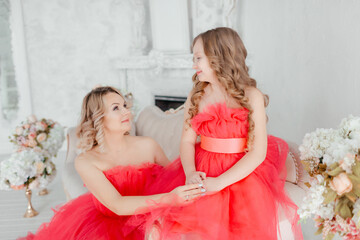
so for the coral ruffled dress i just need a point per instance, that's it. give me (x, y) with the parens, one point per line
(86, 218)
(247, 209)
(244, 210)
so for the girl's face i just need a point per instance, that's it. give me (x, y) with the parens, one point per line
(117, 116)
(201, 63)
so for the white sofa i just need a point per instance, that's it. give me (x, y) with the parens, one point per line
(166, 129)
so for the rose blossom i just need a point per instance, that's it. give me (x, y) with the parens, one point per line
(341, 184)
(32, 135)
(41, 137)
(32, 143)
(44, 125)
(26, 126)
(19, 130)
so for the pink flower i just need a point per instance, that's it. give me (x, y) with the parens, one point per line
(21, 140)
(19, 130)
(41, 137)
(18, 187)
(44, 125)
(341, 184)
(32, 143)
(41, 126)
(26, 126)
(32, 136)
(32, 118)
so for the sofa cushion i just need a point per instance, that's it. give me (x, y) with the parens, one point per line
(164, 128)
(72, 183)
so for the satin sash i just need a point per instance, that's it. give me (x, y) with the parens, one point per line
(223, 145)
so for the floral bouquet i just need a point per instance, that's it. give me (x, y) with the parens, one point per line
(27, 168)
(44, 134)
(332, 159)
(30, 166)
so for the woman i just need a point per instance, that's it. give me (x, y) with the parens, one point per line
(117, 169)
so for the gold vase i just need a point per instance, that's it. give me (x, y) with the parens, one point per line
(43, 192)
(30, 211)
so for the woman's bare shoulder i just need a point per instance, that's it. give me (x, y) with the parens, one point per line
(85, 159)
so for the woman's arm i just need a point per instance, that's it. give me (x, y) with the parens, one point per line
(187, 149)
(159, 155)
(106, 193)
(258, 150)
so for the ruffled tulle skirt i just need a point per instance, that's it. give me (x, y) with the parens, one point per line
(86, 218)
(247, 209)
(80, 219)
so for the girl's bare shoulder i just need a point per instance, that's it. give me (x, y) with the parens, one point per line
(254, 94)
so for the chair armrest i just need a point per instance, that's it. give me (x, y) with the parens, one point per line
(71, 181)
(301, 175)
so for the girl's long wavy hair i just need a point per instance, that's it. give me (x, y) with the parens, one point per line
(90, 130)
(226, 53)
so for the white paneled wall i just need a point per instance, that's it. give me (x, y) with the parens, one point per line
(305, 55)
(70, 47)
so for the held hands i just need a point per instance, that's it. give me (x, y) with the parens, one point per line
(189, 192)
(211, 184)
(195, 177)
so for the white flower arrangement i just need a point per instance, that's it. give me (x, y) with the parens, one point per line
(332, 159)
(25, 167)
(30, 165)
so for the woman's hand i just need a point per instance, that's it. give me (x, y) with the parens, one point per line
(195, 177)
(189, 192)
(213, 185)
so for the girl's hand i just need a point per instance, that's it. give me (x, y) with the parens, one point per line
(195, 177)
(189, 192)
(213, 185)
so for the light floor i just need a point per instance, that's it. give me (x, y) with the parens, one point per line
(13, 205)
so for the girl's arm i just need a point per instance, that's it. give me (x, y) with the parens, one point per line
(106, 193)
(187, 150)
(258, 150)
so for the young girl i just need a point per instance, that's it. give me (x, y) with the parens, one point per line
(241, 167)
(116, 168)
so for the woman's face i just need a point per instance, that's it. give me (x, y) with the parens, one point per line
(201, 63)
(117, 116)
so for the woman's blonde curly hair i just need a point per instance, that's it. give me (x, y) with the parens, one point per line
(90, 130)
(226, 53)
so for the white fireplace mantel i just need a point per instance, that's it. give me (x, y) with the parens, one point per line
(155, 74)
(156, 60)
(168, 70)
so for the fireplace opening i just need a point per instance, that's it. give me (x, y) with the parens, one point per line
(168, 102)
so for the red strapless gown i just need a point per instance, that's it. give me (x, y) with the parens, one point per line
(244, 210)
(86, 218)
